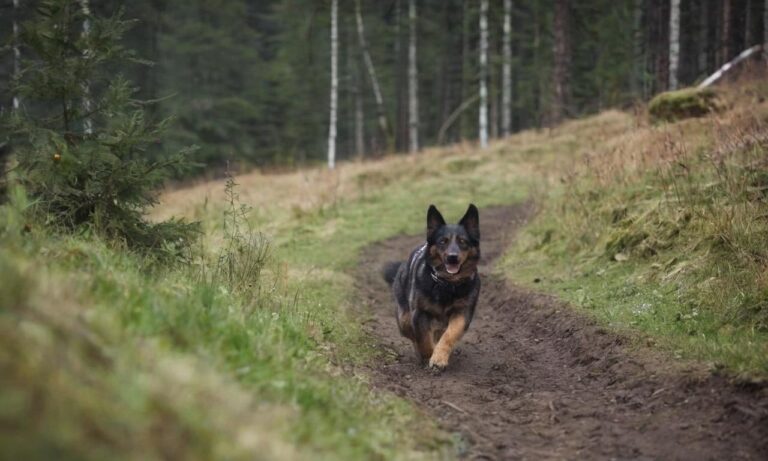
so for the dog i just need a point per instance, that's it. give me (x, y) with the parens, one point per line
(436, 290)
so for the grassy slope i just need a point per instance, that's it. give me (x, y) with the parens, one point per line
(663, 231)
(171, 365)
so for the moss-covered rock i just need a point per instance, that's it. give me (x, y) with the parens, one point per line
(677, 105)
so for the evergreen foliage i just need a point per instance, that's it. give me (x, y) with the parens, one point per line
(103, 180)
(249, 81)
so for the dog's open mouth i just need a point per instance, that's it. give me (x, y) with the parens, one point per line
(452, 268)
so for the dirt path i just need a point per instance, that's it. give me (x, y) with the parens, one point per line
(533, 380)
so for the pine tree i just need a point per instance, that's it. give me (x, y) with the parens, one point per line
(100, 179)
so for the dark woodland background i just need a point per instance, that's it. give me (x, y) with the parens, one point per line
(248, 81)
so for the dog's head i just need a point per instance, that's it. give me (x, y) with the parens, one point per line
(453, 249)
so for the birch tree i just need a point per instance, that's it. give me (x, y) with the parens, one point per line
(506, 79)
(16, 52)
(380, 111)
(334, 83)
(413, 81)
(87, 122)
(483, 116)
(674, 42)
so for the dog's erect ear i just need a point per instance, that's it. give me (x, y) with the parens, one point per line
(471, 222)
(434, 222)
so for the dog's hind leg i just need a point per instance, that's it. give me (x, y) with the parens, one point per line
(453, 333)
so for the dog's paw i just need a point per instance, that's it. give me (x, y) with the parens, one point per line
(438, 362)
(435, 369)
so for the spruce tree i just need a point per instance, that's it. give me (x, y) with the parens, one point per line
(101, 179)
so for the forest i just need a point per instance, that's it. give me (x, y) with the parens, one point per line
(249, 82)
(383, 229)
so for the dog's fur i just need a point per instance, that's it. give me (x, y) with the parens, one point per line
(437, 289)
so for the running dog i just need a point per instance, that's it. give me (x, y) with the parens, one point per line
(436, 290)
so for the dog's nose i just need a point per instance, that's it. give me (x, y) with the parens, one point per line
(452, 259)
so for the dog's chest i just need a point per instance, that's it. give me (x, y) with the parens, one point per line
(443, 301)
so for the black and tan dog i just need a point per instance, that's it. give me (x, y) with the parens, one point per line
(437, 289)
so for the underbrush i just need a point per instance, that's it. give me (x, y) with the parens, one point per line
(665, 230)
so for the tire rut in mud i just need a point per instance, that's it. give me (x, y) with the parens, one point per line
(534, 380)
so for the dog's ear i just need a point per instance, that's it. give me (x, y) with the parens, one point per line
(471, 222)
(434, 222)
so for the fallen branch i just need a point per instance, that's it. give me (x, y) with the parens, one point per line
(452, 118)
(728, 66)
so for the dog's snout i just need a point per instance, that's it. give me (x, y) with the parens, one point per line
(452, 259)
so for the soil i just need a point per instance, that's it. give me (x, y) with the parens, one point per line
(533, 379)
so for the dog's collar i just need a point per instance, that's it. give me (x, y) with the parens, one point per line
(441, 281)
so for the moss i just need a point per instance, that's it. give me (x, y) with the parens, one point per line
(677, 105)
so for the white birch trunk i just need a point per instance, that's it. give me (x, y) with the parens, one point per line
(730, 65)
(674, 42)
(413, 81)
(334, 83)
(16, 52)
(87, 122)
(483, 118)
(506, 84)
(380, 111)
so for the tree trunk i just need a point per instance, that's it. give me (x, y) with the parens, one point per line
(413, 81)
(359, 121)
(703, 44)
(506, 79)
(748, 25)
(355, 77)
(16, 52)
(765, 30)
(560, 76)
(638, 59)
(466, 124)
(725, 37)
(483, 116)
(334, 83)
(380, 111)
(674, 42)
(86, 86)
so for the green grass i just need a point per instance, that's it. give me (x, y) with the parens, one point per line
(106, 358)
(671, 245)
(104, 354)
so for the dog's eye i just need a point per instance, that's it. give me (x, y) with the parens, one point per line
(443, 241)
(462, 241)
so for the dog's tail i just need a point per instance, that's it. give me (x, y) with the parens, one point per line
(389, 271)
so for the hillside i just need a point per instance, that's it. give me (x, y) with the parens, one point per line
(654, 233)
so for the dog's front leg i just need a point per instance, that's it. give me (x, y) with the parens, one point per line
(453, 333)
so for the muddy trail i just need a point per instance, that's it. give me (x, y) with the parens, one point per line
(534, 380)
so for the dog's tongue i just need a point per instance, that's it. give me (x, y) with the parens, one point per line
(452, 268)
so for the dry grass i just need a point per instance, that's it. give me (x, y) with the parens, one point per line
(670, 218)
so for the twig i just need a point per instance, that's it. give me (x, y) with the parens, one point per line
(454, 407)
